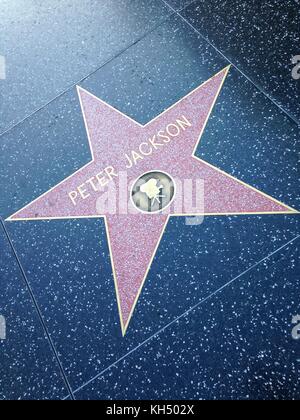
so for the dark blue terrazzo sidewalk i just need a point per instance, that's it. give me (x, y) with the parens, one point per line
(214, 320)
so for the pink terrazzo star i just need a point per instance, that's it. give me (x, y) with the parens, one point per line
(117, 141)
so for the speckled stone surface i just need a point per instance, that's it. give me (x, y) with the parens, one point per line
(28, 369)
(259, 37)
(236, 345)
(67, 262)
(50, 45)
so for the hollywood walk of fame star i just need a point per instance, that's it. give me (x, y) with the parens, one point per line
(173, 136)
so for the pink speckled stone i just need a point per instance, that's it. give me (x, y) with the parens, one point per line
(134, 237)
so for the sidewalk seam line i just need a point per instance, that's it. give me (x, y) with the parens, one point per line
(39, 312)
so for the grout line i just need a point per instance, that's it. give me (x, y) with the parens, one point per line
(193, 308)
(38, 311)
(178, 13)
(68, 89)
